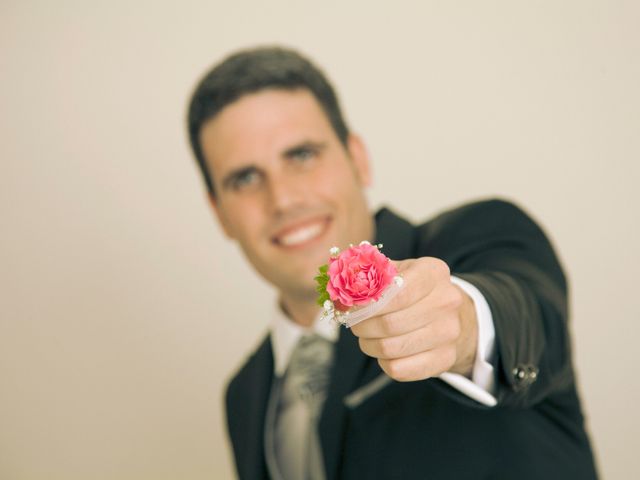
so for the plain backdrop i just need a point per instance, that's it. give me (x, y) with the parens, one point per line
(124, 310)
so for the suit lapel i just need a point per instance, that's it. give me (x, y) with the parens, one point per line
(247, 411)
(397, 236)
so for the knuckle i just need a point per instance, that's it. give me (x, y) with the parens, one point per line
(423, 262)
(450, 298)
(456, 297)
(363, 345)
(439, 266)
(388, 347)
(357, 329)
(449, 357)
(394, 369)
(388, 325)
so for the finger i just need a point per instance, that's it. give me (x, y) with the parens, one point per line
(395, 323)
(441, 332)
(445, 298)
(420, 366)
(421, 276)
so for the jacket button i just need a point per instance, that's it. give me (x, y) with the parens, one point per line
(524, 375)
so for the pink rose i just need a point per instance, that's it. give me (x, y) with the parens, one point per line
(359, 275)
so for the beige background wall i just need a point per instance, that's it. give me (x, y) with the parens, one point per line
(122, 308)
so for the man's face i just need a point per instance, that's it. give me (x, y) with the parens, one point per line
(286, 187)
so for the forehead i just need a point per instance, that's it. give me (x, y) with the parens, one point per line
(263, 123)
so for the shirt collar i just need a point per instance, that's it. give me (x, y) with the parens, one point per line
(285, 335)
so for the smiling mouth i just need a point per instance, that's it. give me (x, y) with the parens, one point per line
(303, 234)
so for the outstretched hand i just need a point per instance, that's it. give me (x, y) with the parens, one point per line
(428, 328)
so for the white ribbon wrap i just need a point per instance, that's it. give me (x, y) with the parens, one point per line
(356, 315)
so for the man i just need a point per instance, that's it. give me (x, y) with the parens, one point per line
(466, 373)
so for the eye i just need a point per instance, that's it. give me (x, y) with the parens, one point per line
(245, 180)
(303, 154)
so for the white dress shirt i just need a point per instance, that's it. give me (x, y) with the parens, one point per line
(285, 334)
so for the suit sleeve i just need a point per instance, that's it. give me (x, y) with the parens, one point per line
(496, 247)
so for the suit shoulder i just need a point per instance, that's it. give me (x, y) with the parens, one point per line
(491, 210)
(476, 226)
(480, 217)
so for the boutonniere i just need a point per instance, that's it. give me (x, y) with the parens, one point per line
(356, 283)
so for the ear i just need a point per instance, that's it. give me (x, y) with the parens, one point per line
(360, 156)
(222, 220)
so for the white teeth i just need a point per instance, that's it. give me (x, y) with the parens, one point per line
(300, 235)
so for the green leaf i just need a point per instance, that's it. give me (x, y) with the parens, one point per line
(323, 298)
(322, 279)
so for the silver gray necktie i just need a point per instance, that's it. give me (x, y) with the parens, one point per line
(297, 445)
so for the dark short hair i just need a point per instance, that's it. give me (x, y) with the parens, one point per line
(249, 71)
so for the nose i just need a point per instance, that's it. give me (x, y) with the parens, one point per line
(285, 192)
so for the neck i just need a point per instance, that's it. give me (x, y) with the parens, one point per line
(302, 311)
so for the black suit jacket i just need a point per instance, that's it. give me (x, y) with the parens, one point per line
(427, 429)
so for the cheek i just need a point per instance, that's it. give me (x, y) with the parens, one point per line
(242, 220)
(339, 183)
